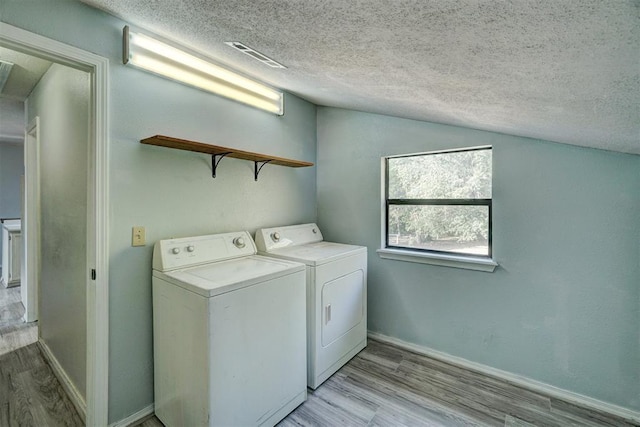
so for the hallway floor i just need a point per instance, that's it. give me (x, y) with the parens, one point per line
(30, 394)
(14, 333)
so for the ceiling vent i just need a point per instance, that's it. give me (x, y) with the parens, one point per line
(255, 54)
(5, 70)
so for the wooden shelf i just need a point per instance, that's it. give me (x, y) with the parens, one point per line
(218, 153)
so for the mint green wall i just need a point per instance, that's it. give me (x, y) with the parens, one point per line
(171, 192)
(562, 307)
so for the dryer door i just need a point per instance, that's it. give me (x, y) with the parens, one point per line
(342, 305)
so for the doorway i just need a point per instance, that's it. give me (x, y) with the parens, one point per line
(30, 267)
(96, 247)
(19, 74)
(14, 333)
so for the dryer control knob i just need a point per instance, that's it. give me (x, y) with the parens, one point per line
(191, 248)
(275, 236)
(175, 251)
(239, 242)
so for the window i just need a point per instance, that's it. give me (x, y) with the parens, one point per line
(439, 203)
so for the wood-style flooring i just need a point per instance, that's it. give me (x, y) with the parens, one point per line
(30, 394)
(382, 386)
(388, 386)
(14, 333)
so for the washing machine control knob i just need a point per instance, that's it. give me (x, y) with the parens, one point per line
(275, 236)
(191, 248)
(239, 242)
(175, 251)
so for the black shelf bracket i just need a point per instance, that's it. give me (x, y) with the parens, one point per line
(215, 161)
(258, 169)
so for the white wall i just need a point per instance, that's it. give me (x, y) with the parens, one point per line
(11, 120)
(562, 308)
(61, 100)
(11, 169)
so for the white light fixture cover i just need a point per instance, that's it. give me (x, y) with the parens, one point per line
(5, 70)
(157, 57)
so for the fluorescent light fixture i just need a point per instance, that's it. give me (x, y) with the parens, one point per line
(5, 70)
(157, 57)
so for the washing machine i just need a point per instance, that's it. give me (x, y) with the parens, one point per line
(336, 294)
(229, 334)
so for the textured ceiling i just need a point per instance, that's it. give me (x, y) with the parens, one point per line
(560, 70)
(26, 72)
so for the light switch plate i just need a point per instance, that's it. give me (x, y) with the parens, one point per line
(138, 236)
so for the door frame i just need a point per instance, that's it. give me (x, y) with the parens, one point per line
(31, 221)
(97, 206)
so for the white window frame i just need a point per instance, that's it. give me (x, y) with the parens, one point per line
(469, 262)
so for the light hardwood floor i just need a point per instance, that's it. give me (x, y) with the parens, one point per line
(30, 394)
(14, 333)
(388, 386)
(382, 386)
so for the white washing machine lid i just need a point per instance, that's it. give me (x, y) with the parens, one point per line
(225, 276)
(316, 253)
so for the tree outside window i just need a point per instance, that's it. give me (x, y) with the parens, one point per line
(440, 202)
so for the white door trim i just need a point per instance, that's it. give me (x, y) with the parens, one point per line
(31, 221)
(98, 289)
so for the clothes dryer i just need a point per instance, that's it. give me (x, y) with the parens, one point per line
(229, 333)
(336, 294)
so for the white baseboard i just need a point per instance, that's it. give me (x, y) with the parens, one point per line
(134, 418)
(72, 392)
(524, 382)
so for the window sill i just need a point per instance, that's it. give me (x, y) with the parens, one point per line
(456, 261)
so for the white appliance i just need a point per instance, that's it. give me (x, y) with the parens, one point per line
(336, 294)
(11, 252)
(229, 333)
